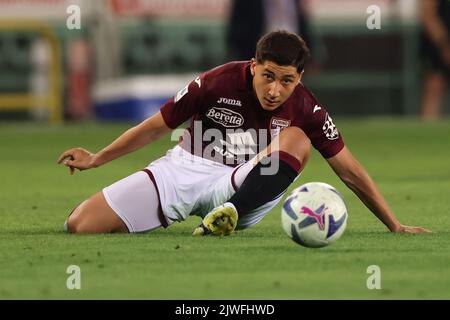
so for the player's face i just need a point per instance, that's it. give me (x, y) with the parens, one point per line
(273, 84)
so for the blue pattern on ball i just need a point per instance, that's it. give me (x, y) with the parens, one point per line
(335, 225)
(287, 208)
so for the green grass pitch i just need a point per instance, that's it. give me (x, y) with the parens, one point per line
(408, 159)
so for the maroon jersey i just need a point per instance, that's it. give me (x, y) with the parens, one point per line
(228, 123)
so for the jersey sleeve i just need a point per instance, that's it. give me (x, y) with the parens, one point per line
(186, 103)
(323, 133)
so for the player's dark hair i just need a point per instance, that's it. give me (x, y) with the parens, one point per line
(283, 48)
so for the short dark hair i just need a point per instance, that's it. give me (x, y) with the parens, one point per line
(283, 48)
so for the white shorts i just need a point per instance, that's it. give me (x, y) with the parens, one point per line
(185, 185)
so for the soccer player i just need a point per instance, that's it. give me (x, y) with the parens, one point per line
(252, 127)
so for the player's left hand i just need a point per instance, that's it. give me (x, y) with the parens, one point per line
(409, 229)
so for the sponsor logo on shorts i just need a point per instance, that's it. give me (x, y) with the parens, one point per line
(225, 117)
(329, 129)
(231, 102)
(278, 124)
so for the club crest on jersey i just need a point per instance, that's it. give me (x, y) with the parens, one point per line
(329, 129)
(231, 102)
(225, 117)
(278, 124)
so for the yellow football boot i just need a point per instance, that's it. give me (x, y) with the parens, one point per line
(220, 221)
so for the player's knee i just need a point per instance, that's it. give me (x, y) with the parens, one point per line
(78, 226)
(73, 223)
(294, 141)
(77, 221)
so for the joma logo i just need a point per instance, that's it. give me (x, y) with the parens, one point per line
(231, 102)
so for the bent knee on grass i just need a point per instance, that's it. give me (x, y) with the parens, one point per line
(94, 215)
(293, 141)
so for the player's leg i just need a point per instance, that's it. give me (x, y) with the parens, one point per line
(274, 169)
(94, 215)
(262, 181)
(128, 205)
(292, 141)
(433, 94)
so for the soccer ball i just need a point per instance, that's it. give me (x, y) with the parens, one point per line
(314, 215)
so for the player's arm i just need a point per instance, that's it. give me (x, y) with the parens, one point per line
(353, 174)
(134, 138)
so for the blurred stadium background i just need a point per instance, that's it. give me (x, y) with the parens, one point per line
(129, 56)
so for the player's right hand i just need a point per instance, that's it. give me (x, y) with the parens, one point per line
(77, 158)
